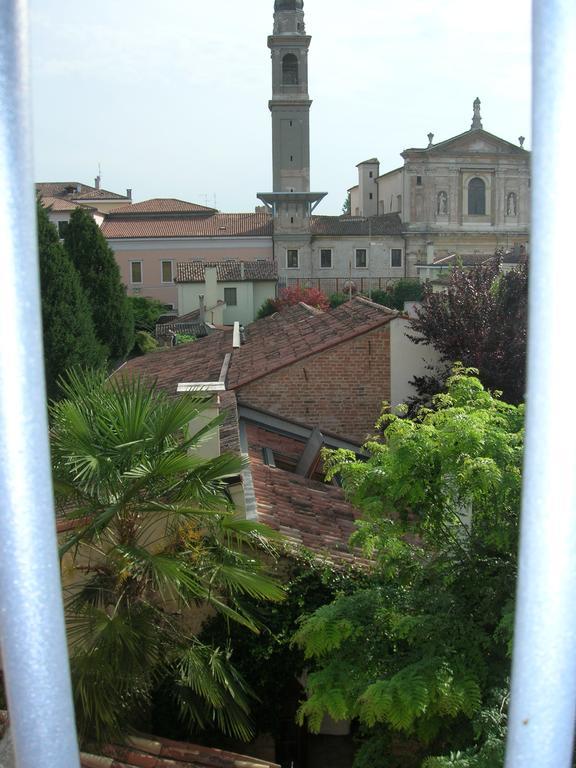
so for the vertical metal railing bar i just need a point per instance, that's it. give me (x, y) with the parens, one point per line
(543, 705)
(32, 635)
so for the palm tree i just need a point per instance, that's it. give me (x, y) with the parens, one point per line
(155, 541)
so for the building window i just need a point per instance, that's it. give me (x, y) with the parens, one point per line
(371, 174)
(326, 258)
(396, 257)
(167, 274)
(135, 271)
(399, 203)
(290, 70)
(476, 197)
(62, 227)
(418, 181)
(292, 260)
(371, 196)
(231, 297)
(361, 258)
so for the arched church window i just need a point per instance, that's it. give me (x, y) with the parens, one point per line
(290, 69)
(476, 197)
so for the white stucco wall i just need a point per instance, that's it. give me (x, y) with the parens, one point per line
(407, 360)
(390, 188)
(250, 297)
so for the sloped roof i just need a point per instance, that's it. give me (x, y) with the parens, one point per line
(470, 136)
(215, 225)
(164, 753)
(161, 205)
(227, 271)
(388, 224)
(270, 344)
(74, 190)
(308, 512)
(58, 204)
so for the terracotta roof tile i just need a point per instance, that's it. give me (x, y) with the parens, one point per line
(227, 271)
(73, 190)
(161, 205)
(388, 224)
(270, 344)
(311, 514)
(59, 204)
(215, 225)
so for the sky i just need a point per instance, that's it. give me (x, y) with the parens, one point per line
(171, 98)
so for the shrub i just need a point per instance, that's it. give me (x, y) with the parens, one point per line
(184, 338)
(311, 296)
(144, 342)
(267, 309)
(336, 299)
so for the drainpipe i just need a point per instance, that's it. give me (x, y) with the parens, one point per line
(32, 635)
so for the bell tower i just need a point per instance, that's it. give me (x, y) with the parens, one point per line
(291, 200)
(290, 103)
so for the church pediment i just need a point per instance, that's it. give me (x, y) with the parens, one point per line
(475, 142)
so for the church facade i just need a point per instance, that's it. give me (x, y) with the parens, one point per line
(466, 196)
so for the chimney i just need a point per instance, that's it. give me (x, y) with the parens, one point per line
(97, 182)
(429, 253)
(211, 284)
(241, 270)
(129, 194)
(202, 309)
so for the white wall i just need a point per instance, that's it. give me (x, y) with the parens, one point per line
(407, 360)
(390, 187)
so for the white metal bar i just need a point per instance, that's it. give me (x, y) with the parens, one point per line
(543, 707)
(32, 635)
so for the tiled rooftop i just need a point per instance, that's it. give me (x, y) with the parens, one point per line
(161, 205)
(388, 224)
(227, 271)
(270, 344)
(73, 190)
(215, 225)
(163, 753)
(58, 204)
(311, 514)
(156, 752)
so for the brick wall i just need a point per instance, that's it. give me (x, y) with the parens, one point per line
(340, 390)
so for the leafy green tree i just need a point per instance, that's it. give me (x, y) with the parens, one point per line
(100, 276)
(156, 541)
(69, 335)
(418, 656)
(146, 312)
(347, 206)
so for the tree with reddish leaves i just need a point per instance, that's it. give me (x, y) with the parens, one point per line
(294, 295)
(480, 320)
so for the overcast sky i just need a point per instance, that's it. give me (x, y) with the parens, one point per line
(171, 97)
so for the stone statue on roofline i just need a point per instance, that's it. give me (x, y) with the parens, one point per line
(288, 5)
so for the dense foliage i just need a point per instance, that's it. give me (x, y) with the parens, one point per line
(393, 297)
(100, 277)
(271, 663)
(420, 655)
(156, 541)
(146, 312)
(481, 321)
(68, 331)
(293, 295)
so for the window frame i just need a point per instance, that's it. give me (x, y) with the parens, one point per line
(231, 288)
(167, 261)
(485, 197)
(356, 250)
(141, 263)
(292, 251)
(331, 252)
(401, 252)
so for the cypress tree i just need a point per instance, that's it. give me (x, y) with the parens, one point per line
(69, 335)
(100, 276)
